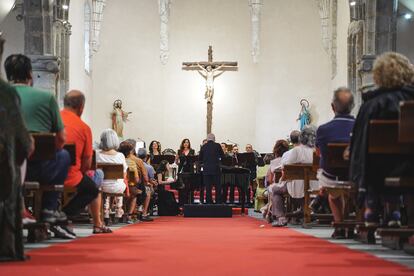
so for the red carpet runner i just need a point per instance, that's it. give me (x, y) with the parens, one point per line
(186, 246)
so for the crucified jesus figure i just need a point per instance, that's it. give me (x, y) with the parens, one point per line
(210, 70)
(209, 74)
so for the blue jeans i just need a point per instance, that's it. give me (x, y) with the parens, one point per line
(50, 172)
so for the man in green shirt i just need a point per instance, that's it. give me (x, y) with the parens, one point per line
(41, 114)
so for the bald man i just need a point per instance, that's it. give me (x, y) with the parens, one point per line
(337, 130)
(79, 133)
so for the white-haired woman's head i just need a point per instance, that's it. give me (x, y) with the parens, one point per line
(109, 140)
(308, 136)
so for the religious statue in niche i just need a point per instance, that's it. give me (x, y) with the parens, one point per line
(304, 115)
(119, 117)
(209, 74)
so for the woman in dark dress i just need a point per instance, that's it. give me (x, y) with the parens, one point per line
(185, 170)
(167, 205)
(154, 149)
(394, 76)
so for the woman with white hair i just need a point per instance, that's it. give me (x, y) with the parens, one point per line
(302, 153)
(107, 153)
(394, 76)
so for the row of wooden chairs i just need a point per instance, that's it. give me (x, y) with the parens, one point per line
(386, 137)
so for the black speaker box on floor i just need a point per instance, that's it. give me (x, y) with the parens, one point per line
(207, 211)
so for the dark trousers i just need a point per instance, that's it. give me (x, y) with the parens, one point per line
(209, 181)
(50, 172)
(85, 193)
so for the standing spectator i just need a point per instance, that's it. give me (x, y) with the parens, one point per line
(41, 114)
(79, 133)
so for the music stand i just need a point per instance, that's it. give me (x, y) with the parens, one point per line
(158, 158)
(228, 161)
(246, 159)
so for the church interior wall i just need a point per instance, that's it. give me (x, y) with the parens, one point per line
(13, 33)
(258, 104)
(405, 37)
(78, 78)
(341, 78)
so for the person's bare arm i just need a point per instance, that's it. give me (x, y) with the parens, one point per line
(60, 139)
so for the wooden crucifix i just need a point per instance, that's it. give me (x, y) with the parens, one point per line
(210, 70)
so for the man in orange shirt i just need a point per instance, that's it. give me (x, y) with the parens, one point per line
(79, 133)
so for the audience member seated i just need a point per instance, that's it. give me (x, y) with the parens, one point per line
(279, 149)
(79, 133)
(302, 153)
(142, 154)
(41, 114)
(337, 130)
(108, 154)
(144, 179)
(15, 146)
(137, 189)
(167, 205)
(394, 76)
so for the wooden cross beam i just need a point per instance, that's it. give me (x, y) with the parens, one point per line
(210, 70)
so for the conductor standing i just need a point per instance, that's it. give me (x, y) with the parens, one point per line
(211, 154)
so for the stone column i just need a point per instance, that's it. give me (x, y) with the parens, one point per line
(38, 18)
(372, 32)
(381, 22)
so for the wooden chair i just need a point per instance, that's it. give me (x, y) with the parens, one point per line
(343, 187)
(406, 122)
(69, 192)
(391, 137)
(45, 149)
(71, 149)
(305, 172)
(111, 171)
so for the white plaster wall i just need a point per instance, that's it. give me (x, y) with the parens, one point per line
(258, 104)
(78, 78)
(341, 78)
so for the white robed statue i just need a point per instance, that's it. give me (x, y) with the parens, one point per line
(118, 118)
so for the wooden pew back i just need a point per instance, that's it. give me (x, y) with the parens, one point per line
(335, 160)
(383, 138)
(111, 171)
(45, 146)
(71, 149)
(406, 122)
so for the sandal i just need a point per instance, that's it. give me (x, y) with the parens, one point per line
(101, 230)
